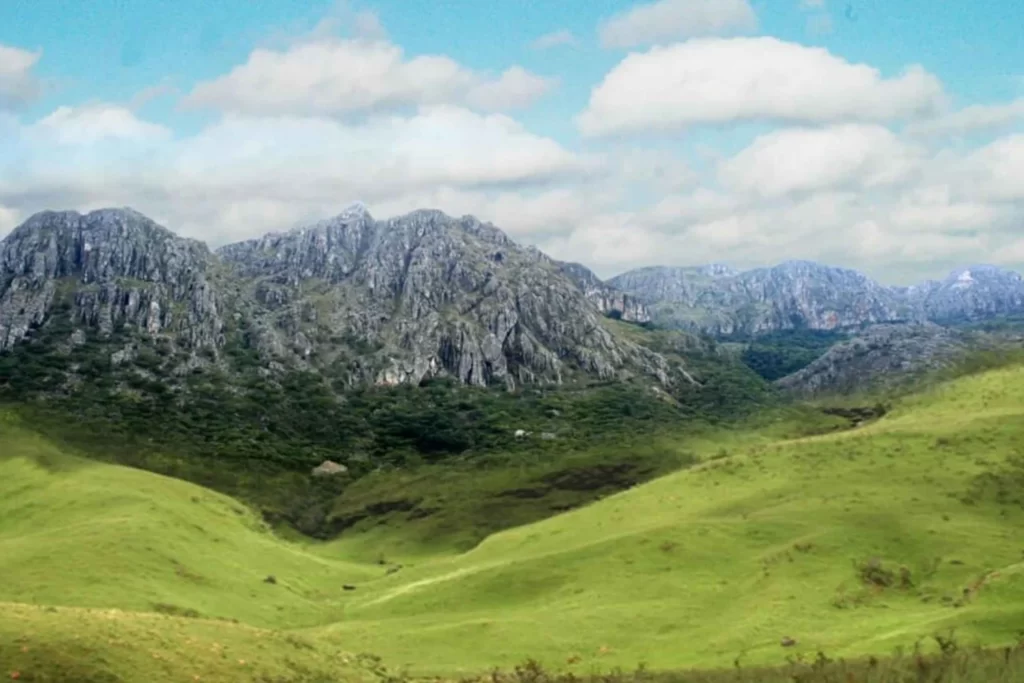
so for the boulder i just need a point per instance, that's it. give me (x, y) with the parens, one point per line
(329, 468)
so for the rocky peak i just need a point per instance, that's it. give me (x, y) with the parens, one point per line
(431, 294)
(969, 294)
(114, 267)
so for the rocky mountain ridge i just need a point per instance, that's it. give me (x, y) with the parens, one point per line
(360, 300)
(806, 295)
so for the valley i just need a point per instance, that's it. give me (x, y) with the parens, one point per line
(852, 543)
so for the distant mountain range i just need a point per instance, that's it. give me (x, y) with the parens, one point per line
(804, 295)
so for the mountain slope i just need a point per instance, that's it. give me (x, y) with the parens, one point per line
(611, 301)
(969, 294)
(802, 539)
(803, 295)
(110, 269)
(428, 294)
(883, 355)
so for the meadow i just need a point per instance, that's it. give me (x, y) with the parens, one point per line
(774, 542)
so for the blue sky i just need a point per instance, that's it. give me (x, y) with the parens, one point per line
(603, 145)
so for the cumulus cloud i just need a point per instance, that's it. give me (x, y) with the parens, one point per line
(554, 39)
(332, 77)
(516, 88)
(791, 160)
(18, 84)
(718, 81)
(978, 117)
(670, 20)
(994, 171)
(242, 175)
(93, 123)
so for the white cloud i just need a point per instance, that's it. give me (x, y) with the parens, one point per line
(978, 117)
(790, 160)
(1012, 254)
(242, 176)
(653, 169)
(514, 89)
(718, 81)
(610, 243)
(554, 39)
(670, 20)
(937, 209)
(993, 172)
(9, 219)
(93, 123)
(17, 82)
(330, 77)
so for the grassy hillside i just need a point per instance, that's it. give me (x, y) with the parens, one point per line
(75, 645)
(852, 542)
(83, 534)
(255, 436)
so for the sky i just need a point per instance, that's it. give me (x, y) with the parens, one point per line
(881, 135)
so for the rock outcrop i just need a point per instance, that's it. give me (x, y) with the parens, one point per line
(109, 269)
(613, 302)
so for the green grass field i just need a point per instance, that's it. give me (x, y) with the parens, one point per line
(852, 543)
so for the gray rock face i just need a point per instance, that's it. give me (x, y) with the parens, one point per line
(423, 295)
(360, 300)
(115, 268)
(800, 294)
(792, 295)
(609, 300)
(660, 284)
(887, 355)
(969, 294)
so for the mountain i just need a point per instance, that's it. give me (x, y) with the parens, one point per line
(110, 269)
(353, 298)
(886, 354)
(671, 285)
(805, 295)
(793, 295)
(611, 301)
(969, 294)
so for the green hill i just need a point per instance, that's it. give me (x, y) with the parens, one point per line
(852, 542)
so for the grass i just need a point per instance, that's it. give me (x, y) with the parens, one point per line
(78, 645)
(74, 533)
(851, 543)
